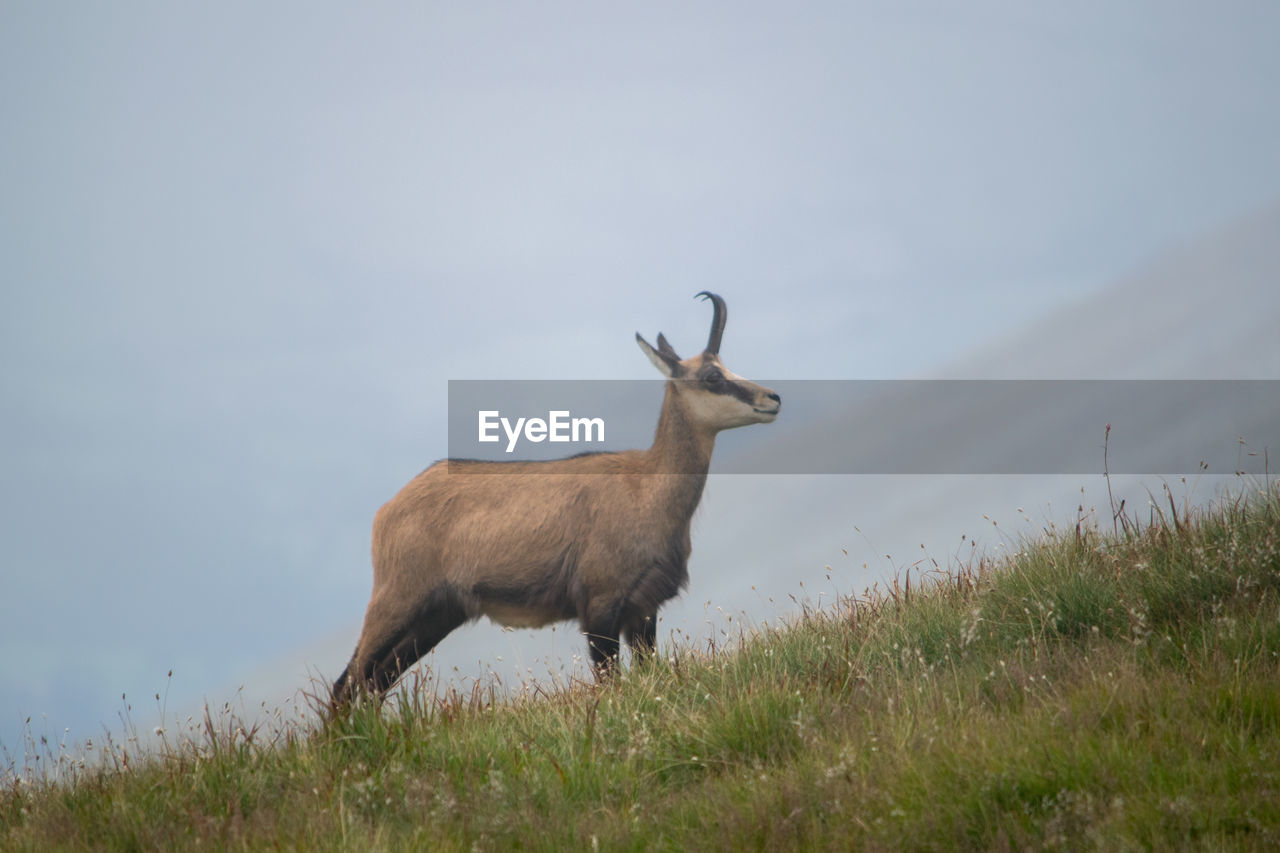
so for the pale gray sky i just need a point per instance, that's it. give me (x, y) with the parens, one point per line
(243, 248)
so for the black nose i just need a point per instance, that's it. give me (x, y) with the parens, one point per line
(775, 398)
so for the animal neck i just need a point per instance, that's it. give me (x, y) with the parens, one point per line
(679, 445)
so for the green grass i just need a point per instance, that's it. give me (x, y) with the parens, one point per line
(1090, 692)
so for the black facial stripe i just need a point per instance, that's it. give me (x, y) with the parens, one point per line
(729, 388)
(725, 386)
(741, 392)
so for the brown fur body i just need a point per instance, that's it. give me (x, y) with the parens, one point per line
(603, 539)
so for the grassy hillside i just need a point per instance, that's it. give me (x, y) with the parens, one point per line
(1092, 691)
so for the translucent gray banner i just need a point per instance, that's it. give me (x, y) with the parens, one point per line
(897, 426)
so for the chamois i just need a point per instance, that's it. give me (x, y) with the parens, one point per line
(602, 538)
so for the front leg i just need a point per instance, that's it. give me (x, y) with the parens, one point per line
(601, 622)
(643, 639)
(602, 642)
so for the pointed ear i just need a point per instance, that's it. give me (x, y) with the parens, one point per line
(668, 365)
(664, 346)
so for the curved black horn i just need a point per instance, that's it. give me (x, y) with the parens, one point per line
(717, 320)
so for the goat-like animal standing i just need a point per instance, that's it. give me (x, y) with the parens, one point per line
(602, 538)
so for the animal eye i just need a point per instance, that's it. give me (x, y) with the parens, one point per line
(715, 377)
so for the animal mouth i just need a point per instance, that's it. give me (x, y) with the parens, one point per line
(772, 411)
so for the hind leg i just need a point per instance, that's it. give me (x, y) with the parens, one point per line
(432, 626)
(394, 637)
(341, 693)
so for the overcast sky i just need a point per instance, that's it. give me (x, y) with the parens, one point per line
(243, 247)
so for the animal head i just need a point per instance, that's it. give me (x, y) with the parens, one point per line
(715, 397)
